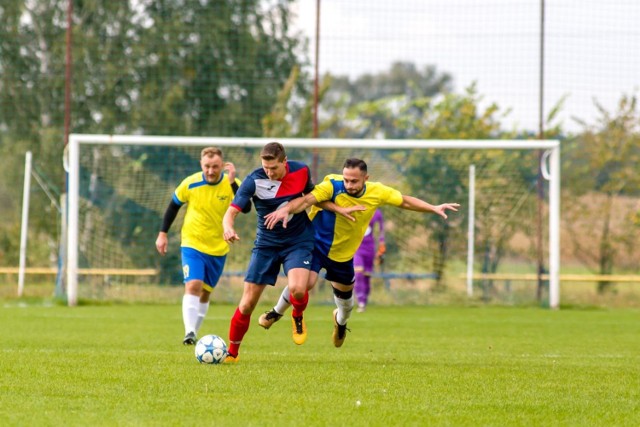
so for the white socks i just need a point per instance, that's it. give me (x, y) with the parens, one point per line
(190, 310)
(345, 306)
(283, 302)
(203, 307)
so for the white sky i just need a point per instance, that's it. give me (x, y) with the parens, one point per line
(591, 48)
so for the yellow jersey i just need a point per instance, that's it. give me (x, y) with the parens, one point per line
(336, 236)
(206, 205)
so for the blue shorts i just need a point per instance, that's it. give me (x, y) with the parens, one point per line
(265, 263)
(200, 266)
(338, 272)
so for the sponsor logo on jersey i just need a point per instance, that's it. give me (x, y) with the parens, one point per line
(267, 189)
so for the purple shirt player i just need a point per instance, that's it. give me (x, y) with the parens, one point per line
(364, 259)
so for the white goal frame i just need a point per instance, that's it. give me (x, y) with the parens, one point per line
(551, 173)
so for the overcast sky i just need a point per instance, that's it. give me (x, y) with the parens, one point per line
(591, 50)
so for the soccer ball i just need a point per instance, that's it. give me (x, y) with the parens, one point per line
(211, 349)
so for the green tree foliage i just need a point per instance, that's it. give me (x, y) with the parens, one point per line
(31, 114)
(402, 78)
(213, 67)
(436, 176)
(601, 181)
(404, 103)
(423, 109)
(150, 67)
(292, 114)
(367, 106)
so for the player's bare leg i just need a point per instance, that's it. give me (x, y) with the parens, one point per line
(268, 318)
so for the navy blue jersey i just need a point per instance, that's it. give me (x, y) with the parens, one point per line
(268, 195)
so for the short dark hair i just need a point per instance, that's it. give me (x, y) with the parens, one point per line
(273, 150)
(355, 163)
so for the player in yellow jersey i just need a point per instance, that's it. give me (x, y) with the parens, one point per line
(338, 234)
(207, 195)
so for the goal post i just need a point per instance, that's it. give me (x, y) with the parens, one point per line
(24, 227)
(550, 167)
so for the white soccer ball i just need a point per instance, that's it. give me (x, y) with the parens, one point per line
(211, 350)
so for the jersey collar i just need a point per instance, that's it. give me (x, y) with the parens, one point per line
(215, 183)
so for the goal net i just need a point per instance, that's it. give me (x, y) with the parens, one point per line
(120, 186)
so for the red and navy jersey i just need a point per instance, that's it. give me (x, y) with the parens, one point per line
(268, 195)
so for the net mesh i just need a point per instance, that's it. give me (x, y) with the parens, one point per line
(220, 68)
(125, 189)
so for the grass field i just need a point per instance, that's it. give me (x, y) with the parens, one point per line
(125, 365)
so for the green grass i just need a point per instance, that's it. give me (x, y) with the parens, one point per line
(125, 365)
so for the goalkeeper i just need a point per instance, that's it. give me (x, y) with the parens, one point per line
(365, 256)
(207, 194)
(337, 237)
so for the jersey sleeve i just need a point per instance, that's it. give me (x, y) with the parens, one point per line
(323, 191)
(181, 195)
(391, 196)
(242, 199)
(309, 187)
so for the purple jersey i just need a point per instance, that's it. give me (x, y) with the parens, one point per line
(368, 244)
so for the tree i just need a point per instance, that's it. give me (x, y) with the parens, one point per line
(601, 172)
(150, 66)
(436, 176)
(292, 114)
(211, 67)
(31, 115)
(403, 111)
(367, 106)
(402, 78)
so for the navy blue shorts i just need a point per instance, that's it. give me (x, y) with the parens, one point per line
(338, 272)
(200, 266)
(265, 263)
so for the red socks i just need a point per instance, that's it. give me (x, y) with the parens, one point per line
(299, 305)
(239, 326)
(240, 323)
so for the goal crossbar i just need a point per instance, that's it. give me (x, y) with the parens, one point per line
(550, 166)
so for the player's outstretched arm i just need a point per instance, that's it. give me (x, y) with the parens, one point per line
(293, 207)
(228, 221)
(341, 210)
(414, 204)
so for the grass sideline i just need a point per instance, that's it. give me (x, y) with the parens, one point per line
(124, 365)
(515, 293)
